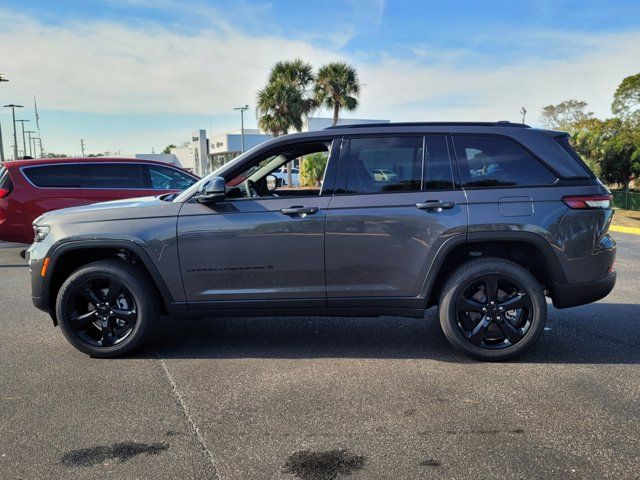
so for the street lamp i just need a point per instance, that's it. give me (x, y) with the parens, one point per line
(242, 110)
(31, 149)
(24, 140)
(15, 137)
(2, 79)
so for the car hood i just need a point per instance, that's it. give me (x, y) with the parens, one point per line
(130, 208)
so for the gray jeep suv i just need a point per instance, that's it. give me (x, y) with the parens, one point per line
(481, 219)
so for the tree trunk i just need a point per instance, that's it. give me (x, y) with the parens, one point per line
(336, 110)
(289, 176)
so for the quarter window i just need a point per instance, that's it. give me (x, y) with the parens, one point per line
(54, 176)
(384, 164)
(492, 161)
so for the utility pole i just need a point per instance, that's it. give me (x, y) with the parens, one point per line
(1, 146)
(15, 137)
(82, 146)
(2, 79)
(24, 139)
(523, 112)
(41, 150)
(35, 148)
(242, 110)
(31, 150)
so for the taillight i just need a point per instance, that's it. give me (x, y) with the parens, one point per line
(4, 192)
(588, 201)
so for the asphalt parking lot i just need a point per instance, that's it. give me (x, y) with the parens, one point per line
(322, 398)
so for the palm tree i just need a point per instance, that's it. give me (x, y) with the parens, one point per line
(337, 87)
(285, 101)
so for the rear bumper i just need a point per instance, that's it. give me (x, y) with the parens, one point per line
(567, 295)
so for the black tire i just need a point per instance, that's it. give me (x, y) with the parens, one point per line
(488, 331)
(83, 304)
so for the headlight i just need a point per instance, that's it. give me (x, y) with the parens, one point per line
(41, 232)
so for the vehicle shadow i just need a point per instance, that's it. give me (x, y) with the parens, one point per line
(601, 333)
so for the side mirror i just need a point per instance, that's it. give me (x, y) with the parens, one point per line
(272, 182)
(212, 191)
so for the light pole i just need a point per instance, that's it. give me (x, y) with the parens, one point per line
(40, 144)
(523, 112)
(24, 140)
(2, 79)
(242, 110)
(31, 149)
(15, 137)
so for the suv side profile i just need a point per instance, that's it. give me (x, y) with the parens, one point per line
(481, 219)
(29, 188)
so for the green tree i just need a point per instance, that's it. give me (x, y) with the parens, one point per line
(626, 100)
(337, 88)
(312, 169)
(285, 102)
(168, 148)
(565, 115)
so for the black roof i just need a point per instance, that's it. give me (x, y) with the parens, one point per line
(502, 123)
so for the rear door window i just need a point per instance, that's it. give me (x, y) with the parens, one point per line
(493, 161)
(53, 176)
(437, 174)
(115, 176)
(384, 164)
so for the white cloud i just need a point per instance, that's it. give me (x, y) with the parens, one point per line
(145, 67)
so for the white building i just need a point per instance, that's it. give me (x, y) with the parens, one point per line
(227, 146)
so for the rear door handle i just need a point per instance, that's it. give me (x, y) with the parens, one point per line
(435, 205)
(299, 210)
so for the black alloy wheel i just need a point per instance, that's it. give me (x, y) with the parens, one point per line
(494, 312)
(103, 311)
(107, 308)
(492, 309)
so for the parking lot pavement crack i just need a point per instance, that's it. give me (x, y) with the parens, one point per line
(185, 411)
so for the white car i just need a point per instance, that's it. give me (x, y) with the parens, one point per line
(282, 174)
(384, 175)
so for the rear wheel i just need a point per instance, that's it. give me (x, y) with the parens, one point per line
(107, 308)
(492, 309)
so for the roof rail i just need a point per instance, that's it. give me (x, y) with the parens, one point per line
(501, 123)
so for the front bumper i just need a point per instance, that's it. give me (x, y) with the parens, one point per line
(567, 295)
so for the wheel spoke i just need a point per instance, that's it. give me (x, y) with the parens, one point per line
(468, 305)
(491, 287)
(513, 334)
(477, 335)
(115, 287)
(124, 314)
(84, 319)
(107, 339)
(517, 301)
(91, 296)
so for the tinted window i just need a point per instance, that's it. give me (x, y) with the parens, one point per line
(54, 176)
(490, 161)
(437, 175)
(384, 164)
(115, 175)
(165, 178)
(5, 180)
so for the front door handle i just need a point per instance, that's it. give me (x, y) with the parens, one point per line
(299, 210)
(435, 205)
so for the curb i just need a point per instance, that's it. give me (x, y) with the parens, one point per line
(620, 229)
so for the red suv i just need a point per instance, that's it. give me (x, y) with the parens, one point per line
(29, 188)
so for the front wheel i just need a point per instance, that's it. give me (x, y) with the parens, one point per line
(107, 308)
(492, 309)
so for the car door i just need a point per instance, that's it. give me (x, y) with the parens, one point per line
(382, 235)
(265, 251)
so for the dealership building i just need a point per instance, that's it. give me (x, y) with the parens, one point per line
(202, 155)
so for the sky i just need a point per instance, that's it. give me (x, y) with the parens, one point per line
(133, 76)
